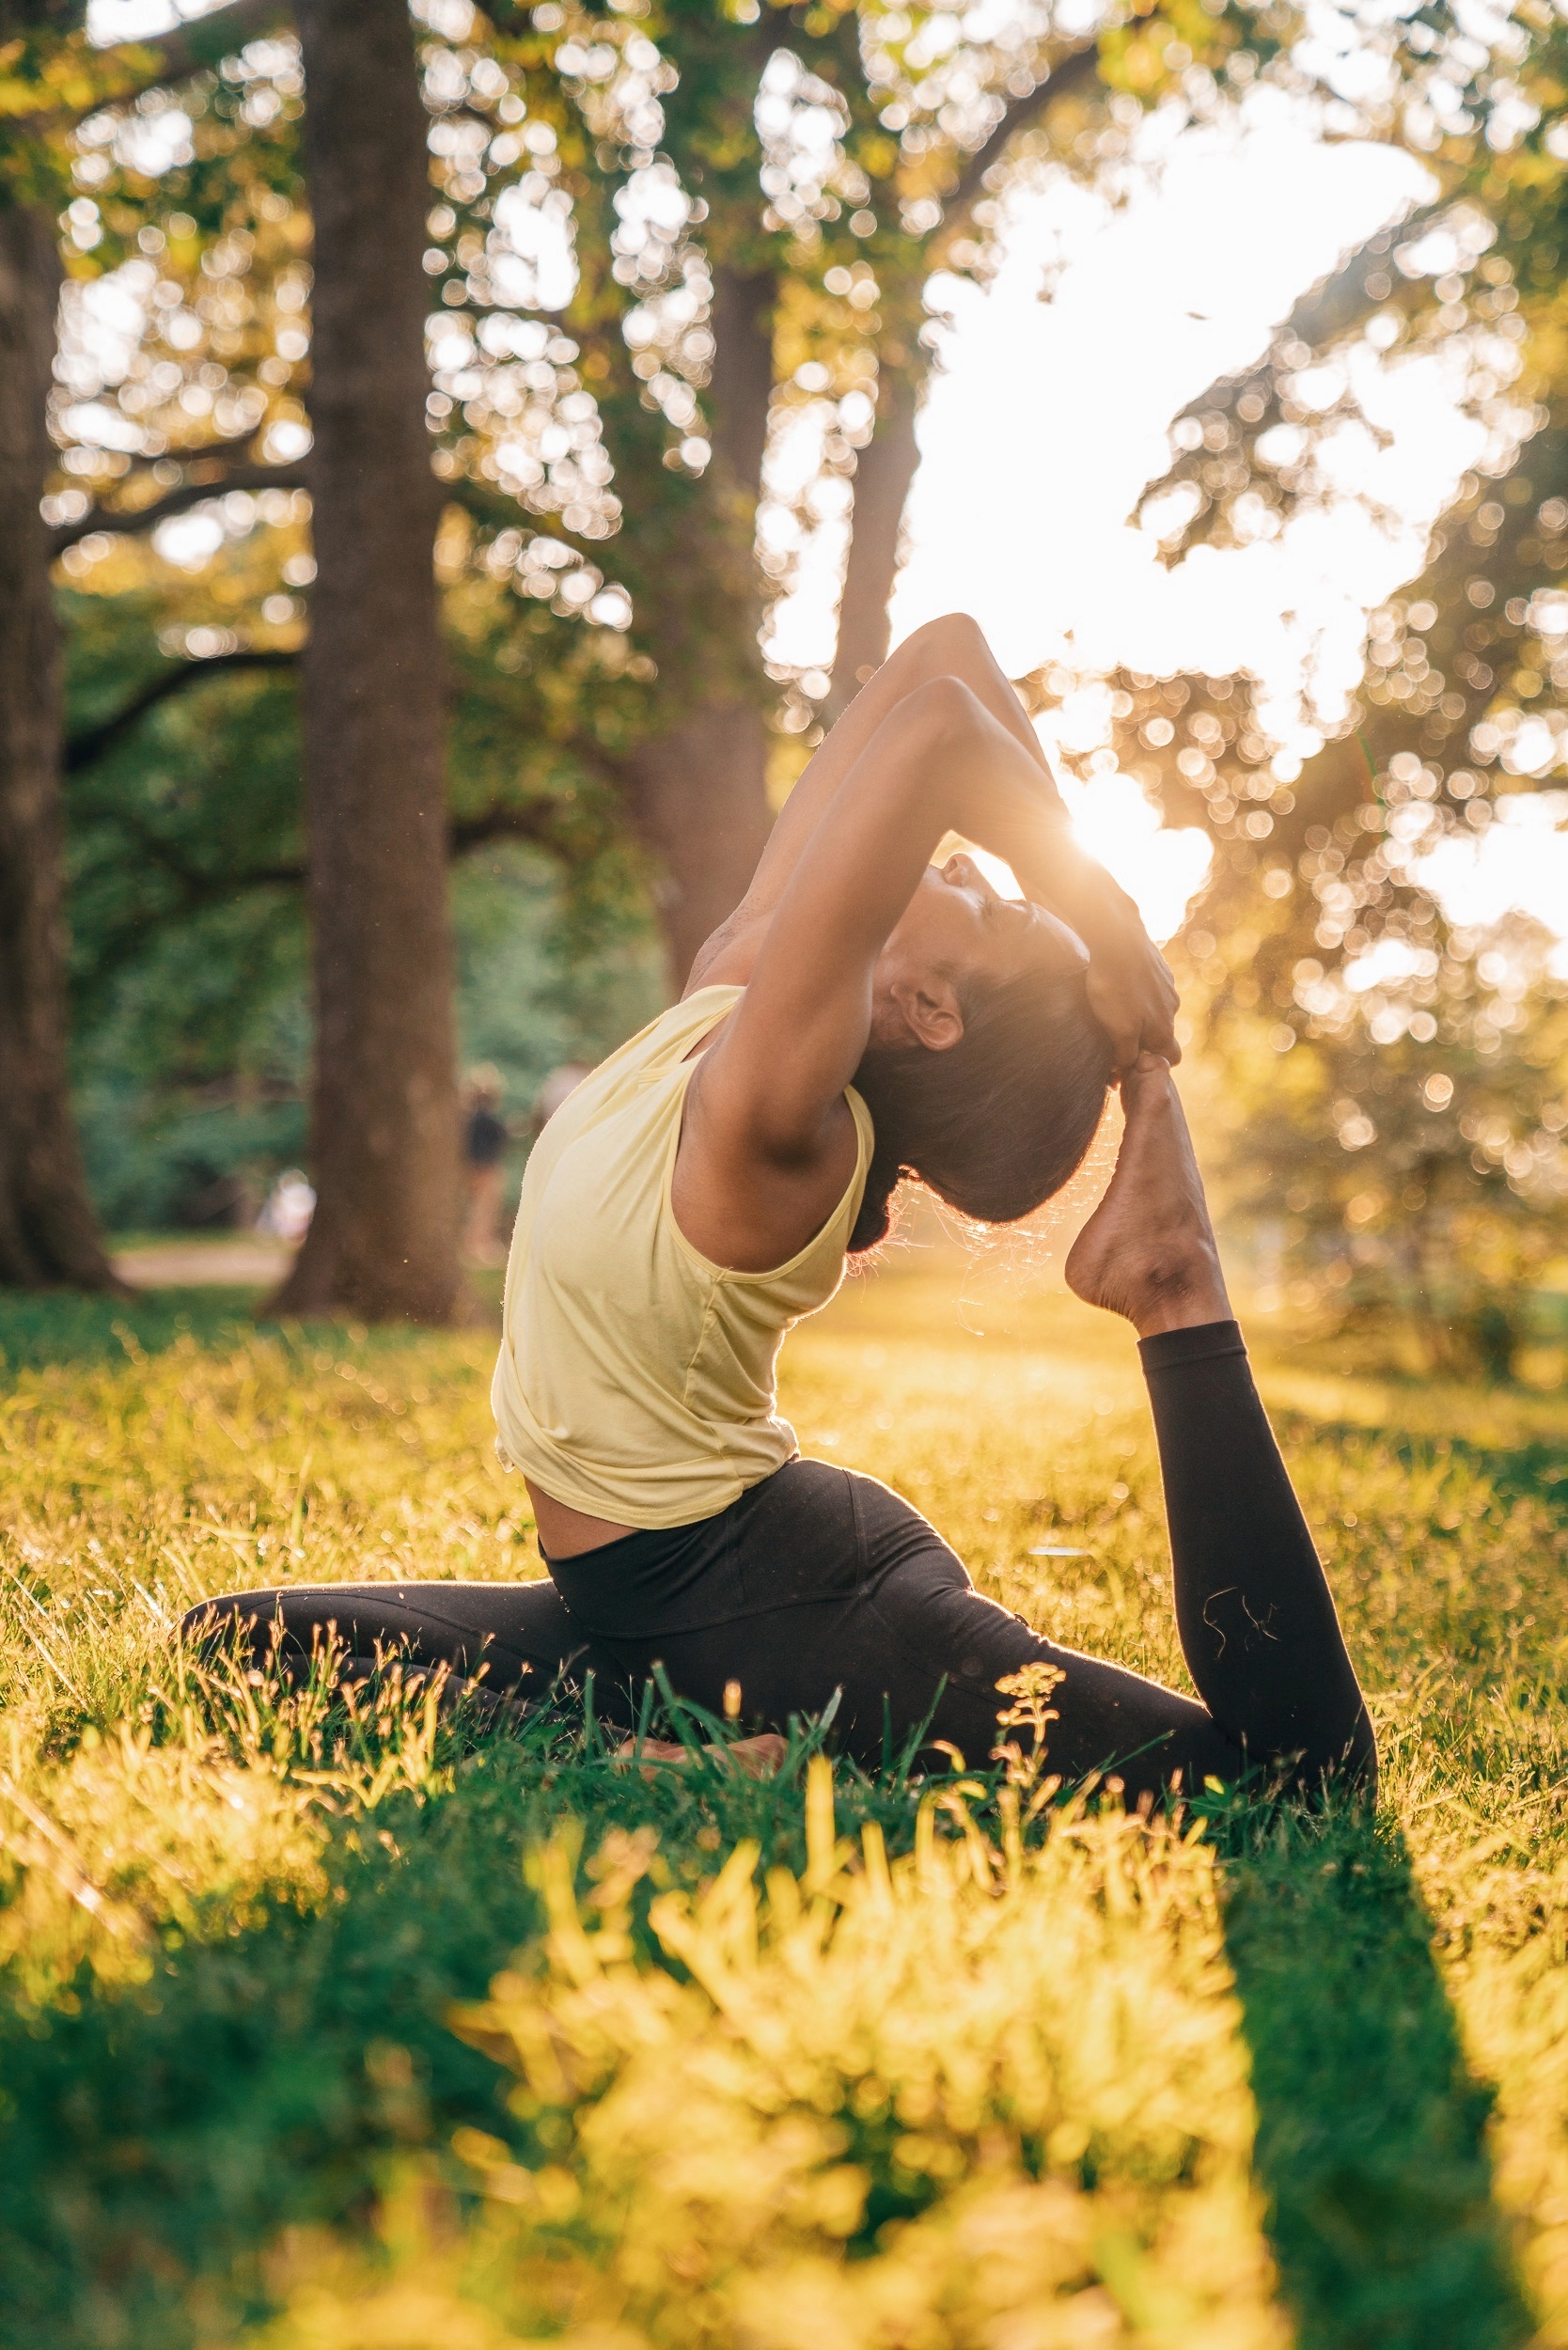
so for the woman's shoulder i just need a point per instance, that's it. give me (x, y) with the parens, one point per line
(675, 1032)
(669, 1036)
(727, 957)
(657, 1051)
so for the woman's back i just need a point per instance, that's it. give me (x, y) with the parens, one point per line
(636, 1381)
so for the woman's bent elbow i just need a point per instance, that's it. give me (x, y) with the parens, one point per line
(946, 646)
(944, 712)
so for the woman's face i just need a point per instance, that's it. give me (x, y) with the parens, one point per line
(959, 935)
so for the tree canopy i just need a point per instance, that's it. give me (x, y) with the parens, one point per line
(660, 237)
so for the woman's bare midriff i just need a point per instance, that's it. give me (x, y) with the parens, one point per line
(565, 1533)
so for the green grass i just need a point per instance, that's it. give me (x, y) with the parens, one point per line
(1288, 2075)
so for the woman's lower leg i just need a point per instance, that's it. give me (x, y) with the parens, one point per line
(510, 1640)
(1253, 1608)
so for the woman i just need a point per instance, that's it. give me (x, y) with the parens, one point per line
(863, 1013)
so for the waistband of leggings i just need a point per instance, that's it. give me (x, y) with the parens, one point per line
(652, 1546)
(644, 1583)
(678, 1578)
(1170, 1350)
(643, 1546)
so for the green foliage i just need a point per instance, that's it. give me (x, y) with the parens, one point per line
(186, 866)
(1394, 1086)
(189, 954)
(191, 1077)
(573, 447)
(540, 982)
(1388, 1092)
(195, 811)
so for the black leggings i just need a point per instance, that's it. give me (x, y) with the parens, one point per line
(819, 1581)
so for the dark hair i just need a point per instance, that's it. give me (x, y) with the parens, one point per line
(998, 1122)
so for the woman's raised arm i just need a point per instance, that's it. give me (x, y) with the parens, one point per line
(768, 1143)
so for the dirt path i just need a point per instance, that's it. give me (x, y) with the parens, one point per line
(243, 1263)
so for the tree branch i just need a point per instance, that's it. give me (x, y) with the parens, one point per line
(1333, 304)
(1074, 71)
(197, 888)
(183, 51)
(87, 748)
(209, 888)
(178, 501)
(534, 824)
(1339, 300)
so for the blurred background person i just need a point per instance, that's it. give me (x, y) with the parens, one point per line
(485, 1135)
(289, 1206)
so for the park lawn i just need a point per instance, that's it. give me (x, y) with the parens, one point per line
(397, 2030)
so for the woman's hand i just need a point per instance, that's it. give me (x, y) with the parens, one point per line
(1131, 992)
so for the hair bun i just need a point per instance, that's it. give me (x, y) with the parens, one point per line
(875, 1219)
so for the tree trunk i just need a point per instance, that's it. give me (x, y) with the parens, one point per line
(48, 1232)
(883, 475)
(385, 1120)
(699, 791)
(740, 386)
(701, 804)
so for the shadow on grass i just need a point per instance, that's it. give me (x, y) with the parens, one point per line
(155, 2140)
(67, 1326)
(38, 1327)
(1370, 2129)
(1534, 1469)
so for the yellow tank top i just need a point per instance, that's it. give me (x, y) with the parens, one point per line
(635, 1379)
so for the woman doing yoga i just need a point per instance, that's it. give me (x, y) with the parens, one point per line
(864, 1015)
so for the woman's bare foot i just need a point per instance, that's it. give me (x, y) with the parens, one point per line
(1148, 1252)
(759, 1757)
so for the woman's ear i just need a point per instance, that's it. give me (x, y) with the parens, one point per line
(926, 1011)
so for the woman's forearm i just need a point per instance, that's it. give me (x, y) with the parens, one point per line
(1063, 877)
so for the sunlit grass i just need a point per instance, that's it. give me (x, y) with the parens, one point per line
(247, 1942)
(1018, 2095)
